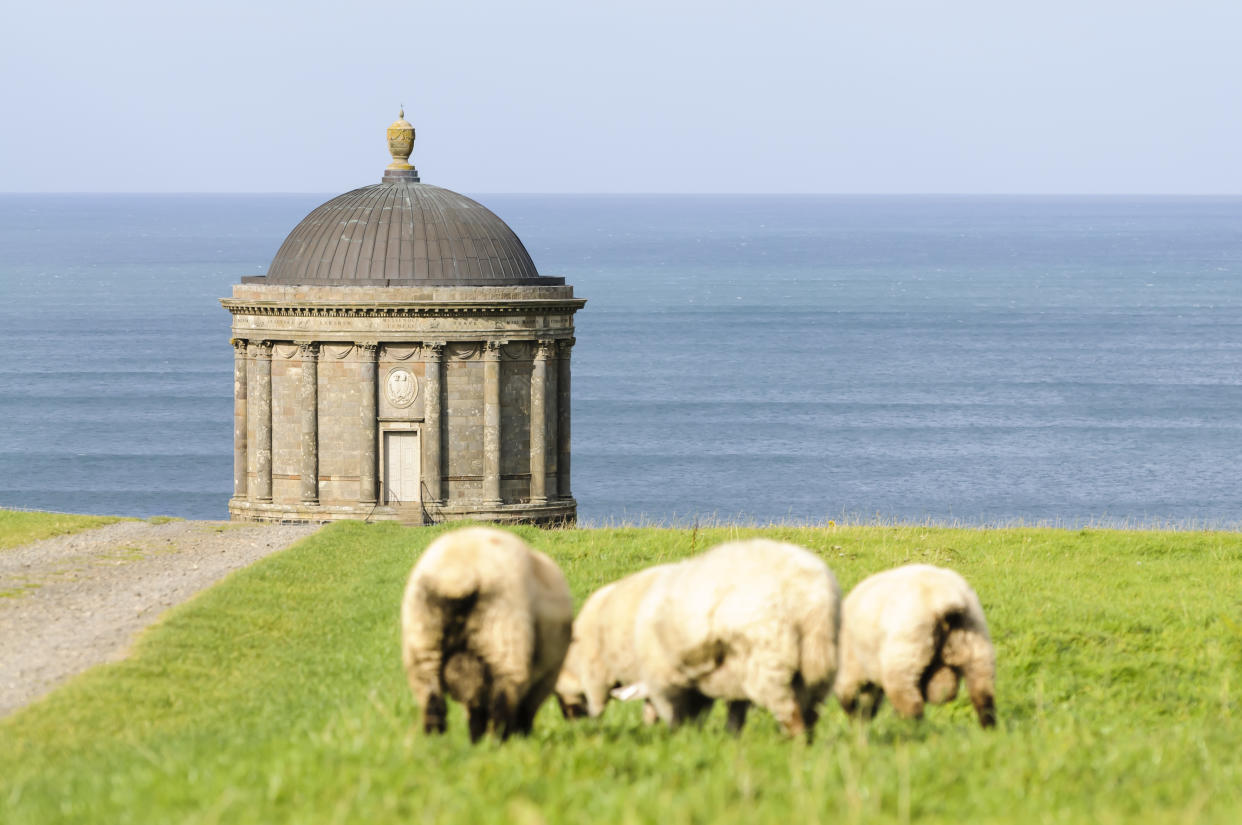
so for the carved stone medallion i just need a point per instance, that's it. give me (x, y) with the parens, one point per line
(401, 387)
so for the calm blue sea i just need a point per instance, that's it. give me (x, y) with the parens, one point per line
(969, 359)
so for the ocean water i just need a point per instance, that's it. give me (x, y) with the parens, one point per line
(740, 358)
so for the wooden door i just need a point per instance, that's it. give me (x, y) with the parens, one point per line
(401, 468)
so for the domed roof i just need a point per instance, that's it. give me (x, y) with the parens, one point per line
(401, 232)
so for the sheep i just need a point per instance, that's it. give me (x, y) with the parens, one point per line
(748, 621)
(487, 620)
(601, 654)
(911, 633)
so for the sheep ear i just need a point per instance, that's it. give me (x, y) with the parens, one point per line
(637, 690)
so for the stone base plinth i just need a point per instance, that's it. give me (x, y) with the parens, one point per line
(551, 514)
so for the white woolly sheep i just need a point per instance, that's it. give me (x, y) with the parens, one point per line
(487, 620)
(749, 621)
(910, 634)
(601, 655)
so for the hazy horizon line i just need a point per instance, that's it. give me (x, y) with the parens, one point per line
(329, 194)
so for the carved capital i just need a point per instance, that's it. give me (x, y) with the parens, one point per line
(565, 345)
(309, 350)
(261, 350)
(544, 349)
(239, 345)
(367, 349)
(433, 350)
(492, 349)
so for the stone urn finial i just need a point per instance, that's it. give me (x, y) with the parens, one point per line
(401, 142)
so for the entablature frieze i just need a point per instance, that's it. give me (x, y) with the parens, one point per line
(411, 328)
(394, 348)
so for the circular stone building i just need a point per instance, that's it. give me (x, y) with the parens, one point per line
(402, 359)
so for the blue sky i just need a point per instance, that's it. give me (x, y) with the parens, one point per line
(870, 96)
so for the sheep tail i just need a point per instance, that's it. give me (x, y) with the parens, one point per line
(452, 582)
(952, 608)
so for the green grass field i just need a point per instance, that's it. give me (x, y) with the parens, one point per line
(21, 527)
(278, 696)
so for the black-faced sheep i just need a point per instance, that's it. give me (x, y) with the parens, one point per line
(749, 621)
(910, 634)
(486, 620)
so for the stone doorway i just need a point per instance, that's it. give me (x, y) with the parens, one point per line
(401, 468)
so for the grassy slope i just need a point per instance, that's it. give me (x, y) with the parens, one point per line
(17, 527)
(278, 696)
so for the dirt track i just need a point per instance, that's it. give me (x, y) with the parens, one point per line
(70, 602)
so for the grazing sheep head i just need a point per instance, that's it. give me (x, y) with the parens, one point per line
(574, 680)
(571, 696)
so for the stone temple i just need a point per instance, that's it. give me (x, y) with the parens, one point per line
(402, 359)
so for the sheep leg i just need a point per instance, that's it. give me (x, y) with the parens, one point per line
(525, 717)
(860, 700)
(793, 724)
(435, 713)
(901, 685)
(979, 684)
(421, 655)
(848, 694)
(478, 722)
(467, 681)
(504, 710)
(870, 699)
(737, 716)
(902, 665)
(695, 705)
(423, 674)
(969, 650)
(772, 687)
(508, 642)
(849, 683)
(670, 705)
(808, 700)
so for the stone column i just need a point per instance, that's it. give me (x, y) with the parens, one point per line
(562, 418)
(550, 410)
(433, 356)
(368, 446)
(308, 400)
(262, 449)
(539, 423)
(491, 423)
(239, 418)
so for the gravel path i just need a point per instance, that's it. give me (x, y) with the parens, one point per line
(70, 602)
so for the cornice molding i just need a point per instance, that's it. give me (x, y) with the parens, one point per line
(404, 310)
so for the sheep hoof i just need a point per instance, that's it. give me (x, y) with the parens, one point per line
(435, 715)
(737, 716)
(478, 724)
(986, 710)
